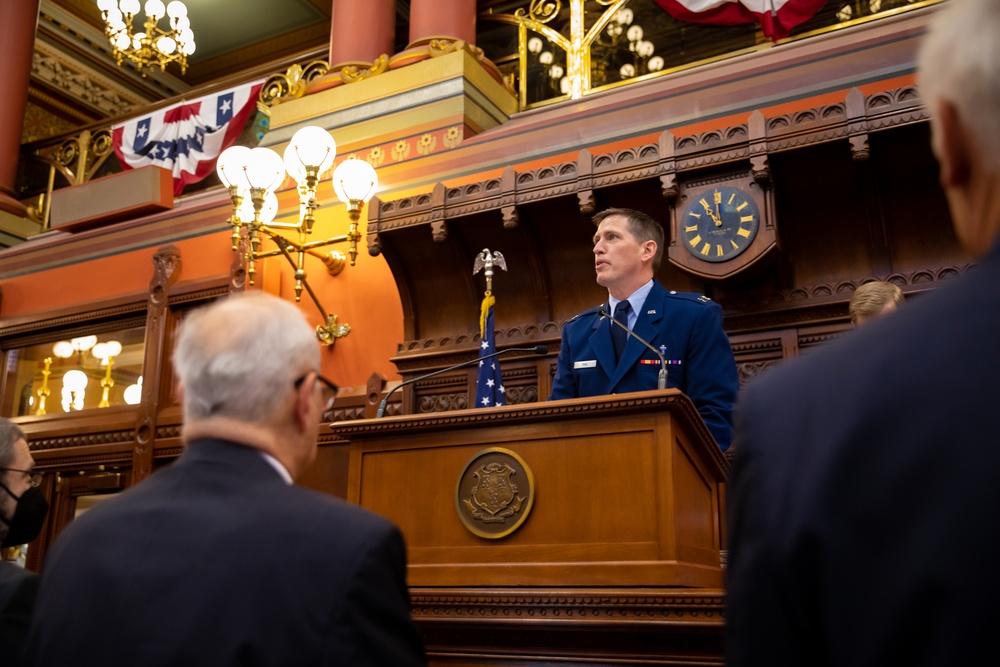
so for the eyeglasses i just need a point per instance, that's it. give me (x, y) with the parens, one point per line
(34, 478)
(328, 387)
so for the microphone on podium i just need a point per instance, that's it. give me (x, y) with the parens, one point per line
(661, 380)
(538, 349)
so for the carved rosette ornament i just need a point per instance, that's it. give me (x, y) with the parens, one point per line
(495, 493)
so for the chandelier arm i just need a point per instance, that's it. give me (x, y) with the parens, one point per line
(305, 282)
(602, 22)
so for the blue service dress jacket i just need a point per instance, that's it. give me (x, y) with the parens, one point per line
(686, 327)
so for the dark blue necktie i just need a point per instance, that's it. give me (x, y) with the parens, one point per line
(618, 335)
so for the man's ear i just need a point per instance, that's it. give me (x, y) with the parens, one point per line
(951, 143)
(649, 250)
(303, 403)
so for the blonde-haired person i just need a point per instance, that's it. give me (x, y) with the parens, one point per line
(873, 299)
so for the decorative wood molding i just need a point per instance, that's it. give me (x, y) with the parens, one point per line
(751, 142)
(670, 399)
(805, 303)
(43, 443)
(695, 606)
(65, 323)
(159, 322)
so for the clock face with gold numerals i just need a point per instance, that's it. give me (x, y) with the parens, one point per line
(719, 223)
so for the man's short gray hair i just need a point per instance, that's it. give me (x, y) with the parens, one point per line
(239, 357)
(960, 62)
(9, 434)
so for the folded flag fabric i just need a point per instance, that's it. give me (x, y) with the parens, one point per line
(776, 17)
(489, 384)
(186, 138)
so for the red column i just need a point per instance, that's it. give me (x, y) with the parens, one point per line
(19, 19)
(361, 31)
(429, 21)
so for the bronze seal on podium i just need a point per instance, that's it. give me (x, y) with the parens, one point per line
(495, 493)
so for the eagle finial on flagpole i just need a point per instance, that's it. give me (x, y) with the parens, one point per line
(487, 260)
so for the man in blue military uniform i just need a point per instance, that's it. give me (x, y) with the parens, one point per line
(598, 358)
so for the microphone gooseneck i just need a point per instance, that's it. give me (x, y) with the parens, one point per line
(661, 380)
(538, 349)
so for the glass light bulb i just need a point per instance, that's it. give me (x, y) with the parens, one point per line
(564, 86)
(229, 166)
(627, 71)
(166, 45)
(99, 351)
(176, 9)
(545, 58)
(129, 6)
(83, 343)
(122, 41)
(137, 39)
(268, 209)
(133, 393)
(655, 64)
(556, 71)
(634, 33)
(75, 380)
(107, 5)
(113, 348)
(264, 168)
(311, 146)
(154, 9)
(645, 48)
(354, 180)
(183, 23)
(63, 349)
(186, 35)
(624, 16)
(535, 45)
(114, 16)
(187, 48)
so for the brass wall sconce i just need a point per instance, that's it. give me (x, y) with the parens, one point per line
(107, 352)
(74, 388)
(252, 176)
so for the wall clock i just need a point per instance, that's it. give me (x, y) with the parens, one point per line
(721, 225)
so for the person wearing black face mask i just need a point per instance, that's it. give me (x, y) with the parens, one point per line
(22, 513)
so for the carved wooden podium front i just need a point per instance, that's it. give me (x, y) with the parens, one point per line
(554, 512)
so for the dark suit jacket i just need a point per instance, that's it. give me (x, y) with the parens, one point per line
(18, 588)
(864, 479)
(688, 326)
(216, 561)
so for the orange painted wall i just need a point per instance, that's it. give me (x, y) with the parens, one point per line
(363, 296)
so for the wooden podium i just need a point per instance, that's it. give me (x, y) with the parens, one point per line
(627, 491)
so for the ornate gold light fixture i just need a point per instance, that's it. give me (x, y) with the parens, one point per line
(252, 175)
(107, 352)
(610, 49)
(152, 46)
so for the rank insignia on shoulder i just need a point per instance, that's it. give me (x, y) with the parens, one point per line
(703, 299)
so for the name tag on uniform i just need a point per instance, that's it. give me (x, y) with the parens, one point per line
(592, 363)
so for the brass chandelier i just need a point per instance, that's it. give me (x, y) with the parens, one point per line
(151, 47)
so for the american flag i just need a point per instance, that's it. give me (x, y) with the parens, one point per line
(186, 138)
(776, 17)
(489, 385)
